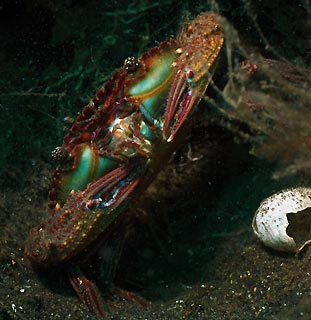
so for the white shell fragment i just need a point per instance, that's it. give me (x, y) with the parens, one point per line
(283, 221)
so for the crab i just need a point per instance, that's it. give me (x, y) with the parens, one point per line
(119, 143)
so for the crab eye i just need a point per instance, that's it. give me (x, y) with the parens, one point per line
(131, 64)
(189, 75)
(60, 154)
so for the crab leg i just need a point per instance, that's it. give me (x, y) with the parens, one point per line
(87, 292)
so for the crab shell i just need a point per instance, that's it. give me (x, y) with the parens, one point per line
(123, 138)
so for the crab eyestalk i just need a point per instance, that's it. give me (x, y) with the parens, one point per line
(201, 44)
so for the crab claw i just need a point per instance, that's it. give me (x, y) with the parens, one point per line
(201, 43)
(83, 217)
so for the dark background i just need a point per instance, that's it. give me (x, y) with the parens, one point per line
(193, 253)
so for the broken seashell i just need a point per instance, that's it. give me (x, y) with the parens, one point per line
(283, 220)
